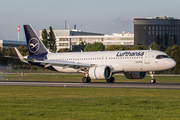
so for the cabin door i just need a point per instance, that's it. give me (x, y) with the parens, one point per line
(147, 58)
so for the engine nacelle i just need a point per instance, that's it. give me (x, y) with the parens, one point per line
(100, 72)
(135, 75)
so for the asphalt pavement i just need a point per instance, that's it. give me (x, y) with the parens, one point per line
(93, 84)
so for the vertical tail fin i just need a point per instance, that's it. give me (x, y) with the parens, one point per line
(34, 44)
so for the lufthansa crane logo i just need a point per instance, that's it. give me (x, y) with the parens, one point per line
(33, 45)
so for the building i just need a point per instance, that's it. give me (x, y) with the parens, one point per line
(11, 43)
(67, 38)
(165, 31)
(71, 39)
(126, 39)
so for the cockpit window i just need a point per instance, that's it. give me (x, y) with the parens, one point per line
(161, 56)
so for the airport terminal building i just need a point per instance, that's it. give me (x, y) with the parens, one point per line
(165, 31)
(72, 38)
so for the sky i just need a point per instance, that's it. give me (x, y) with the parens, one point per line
(100, 16)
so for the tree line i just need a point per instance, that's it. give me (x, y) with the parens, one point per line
(49, 39)
(98, 46)
(8, 57)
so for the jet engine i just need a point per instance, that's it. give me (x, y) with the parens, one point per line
(100, 72)
(135, 75)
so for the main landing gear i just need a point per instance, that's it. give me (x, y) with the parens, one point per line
(152, 79)
(87, 79)
(110, 80)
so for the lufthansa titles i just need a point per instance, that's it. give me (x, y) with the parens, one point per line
(130, 54)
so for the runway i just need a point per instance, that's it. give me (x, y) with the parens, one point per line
(93, 84)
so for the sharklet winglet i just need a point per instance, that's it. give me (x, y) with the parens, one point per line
(20, 55)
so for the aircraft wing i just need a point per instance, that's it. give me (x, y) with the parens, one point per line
(48, 63)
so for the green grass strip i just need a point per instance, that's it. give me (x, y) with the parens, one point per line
(49, 103)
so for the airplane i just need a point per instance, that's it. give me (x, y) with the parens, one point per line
(134, 64)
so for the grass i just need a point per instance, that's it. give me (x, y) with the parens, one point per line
(46, 103)
(78, 78)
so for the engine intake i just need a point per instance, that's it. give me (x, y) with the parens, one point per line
(100, 72)
(135, 75)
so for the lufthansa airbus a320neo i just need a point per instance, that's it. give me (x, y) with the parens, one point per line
(96, 65)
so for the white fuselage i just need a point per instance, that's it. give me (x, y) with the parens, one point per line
(119, 61)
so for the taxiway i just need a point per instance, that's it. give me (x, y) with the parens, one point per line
(93, 84)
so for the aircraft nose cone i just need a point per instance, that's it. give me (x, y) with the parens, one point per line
(172, 63)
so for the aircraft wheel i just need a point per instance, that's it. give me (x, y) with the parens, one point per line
(89, 79)
(153, 81)
(110, 80)
(84, 80)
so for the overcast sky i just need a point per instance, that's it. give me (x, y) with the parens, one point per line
(105, 16)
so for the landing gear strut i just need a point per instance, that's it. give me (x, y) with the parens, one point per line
(152, 79)
(110, 80)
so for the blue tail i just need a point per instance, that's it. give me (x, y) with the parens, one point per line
(34, 45)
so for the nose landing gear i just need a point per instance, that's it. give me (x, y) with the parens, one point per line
(152, 79)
